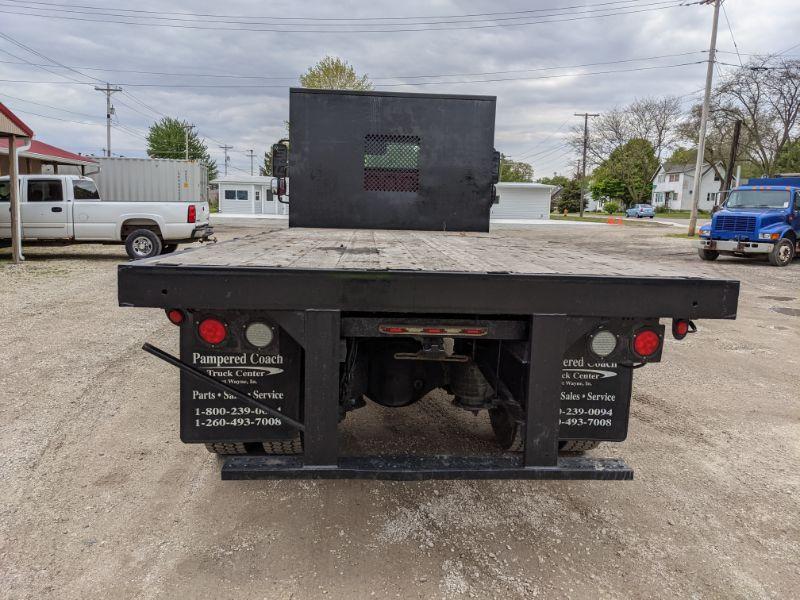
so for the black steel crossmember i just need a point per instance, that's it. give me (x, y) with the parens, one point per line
(415, 468)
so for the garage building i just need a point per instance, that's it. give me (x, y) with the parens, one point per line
(522, 201)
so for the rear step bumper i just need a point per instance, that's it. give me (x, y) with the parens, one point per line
(408, 468)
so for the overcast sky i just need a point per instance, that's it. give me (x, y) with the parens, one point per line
(534, 113)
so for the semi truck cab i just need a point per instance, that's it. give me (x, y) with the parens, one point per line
(760, 218)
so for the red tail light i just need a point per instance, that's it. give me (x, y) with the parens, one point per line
(191, 216)
(646, 343)
(212, 331)
(680, 328)
(175, 316)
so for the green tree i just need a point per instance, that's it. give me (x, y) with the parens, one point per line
(627, 174)
(556, 180)
(789, 158)
(265, 168)
(569, 198)
(167, 139)
(333, 73)
(511, 170)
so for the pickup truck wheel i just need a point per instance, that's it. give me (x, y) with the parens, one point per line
(227, 448)
(577, 445)
(708, 254)
(169, 248)
(782, 253)
(142, 243)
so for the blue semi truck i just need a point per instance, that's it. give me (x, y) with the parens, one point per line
(761, 218)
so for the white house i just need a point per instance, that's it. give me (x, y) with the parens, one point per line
(673, 185)
(522, 201)
(248, 194)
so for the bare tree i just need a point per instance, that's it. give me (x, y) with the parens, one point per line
(651, 118)
(765, 95)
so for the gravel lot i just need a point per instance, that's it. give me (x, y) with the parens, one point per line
(100, 499)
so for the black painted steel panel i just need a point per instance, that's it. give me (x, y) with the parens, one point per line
(374, 160)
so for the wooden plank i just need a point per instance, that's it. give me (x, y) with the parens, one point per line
(364, 249)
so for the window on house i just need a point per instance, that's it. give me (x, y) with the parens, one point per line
(5, 191)
(674, 177)
(45, 190)
(241, 194)
(662, 178)
(230, 194)
(258, 196)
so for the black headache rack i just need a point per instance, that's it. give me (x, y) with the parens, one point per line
(318, 308)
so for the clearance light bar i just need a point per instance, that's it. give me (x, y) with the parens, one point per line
(433, 330)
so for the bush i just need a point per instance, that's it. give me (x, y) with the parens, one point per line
(611, 207)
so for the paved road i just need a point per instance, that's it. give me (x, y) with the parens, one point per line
(100, 499)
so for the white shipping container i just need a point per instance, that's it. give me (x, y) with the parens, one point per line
(123, 179)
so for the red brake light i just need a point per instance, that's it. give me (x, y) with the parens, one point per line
(680, 328)
(191, 216)
(433, 330)
(390, 329)
(475, 331)
(646, 343)
(212, 331)
(175, 316)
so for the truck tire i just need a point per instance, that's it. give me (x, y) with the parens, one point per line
(142, 243)
(510, 434)
(283, 447)
(226, 448)
(169, 248)
(577, 445)
(508, 431)
(782, 253)
(707, 254)
(274, 448)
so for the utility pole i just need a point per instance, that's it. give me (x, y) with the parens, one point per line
(187, 130)
(108, 90)
(225, 148)
(701, 141)
(585, 149)
(737, 131)
(251, 155)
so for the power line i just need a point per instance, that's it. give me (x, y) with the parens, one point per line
(655, 7)
(322, 19)
(386, 77)
(265, 86)
(733, 38)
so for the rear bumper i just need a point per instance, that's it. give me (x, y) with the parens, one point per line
(409, 468)
(202, 232)
(736, 246)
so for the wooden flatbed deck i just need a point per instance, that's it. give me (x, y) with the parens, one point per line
(406, 251)
(418, 272)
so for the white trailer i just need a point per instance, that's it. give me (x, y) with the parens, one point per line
(123, 179)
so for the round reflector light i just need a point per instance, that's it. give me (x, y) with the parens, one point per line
(175, 316)
(212, 331)
(259, 335)
(646, 342)
(603, 343)
(681, 328)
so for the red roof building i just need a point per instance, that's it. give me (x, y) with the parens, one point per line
(39, 155)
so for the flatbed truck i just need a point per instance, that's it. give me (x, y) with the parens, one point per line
(284, 333)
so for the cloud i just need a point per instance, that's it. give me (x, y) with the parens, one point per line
(531, 113)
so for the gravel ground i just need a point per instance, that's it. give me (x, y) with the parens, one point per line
(100, 499)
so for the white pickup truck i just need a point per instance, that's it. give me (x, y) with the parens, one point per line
(68, 209)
